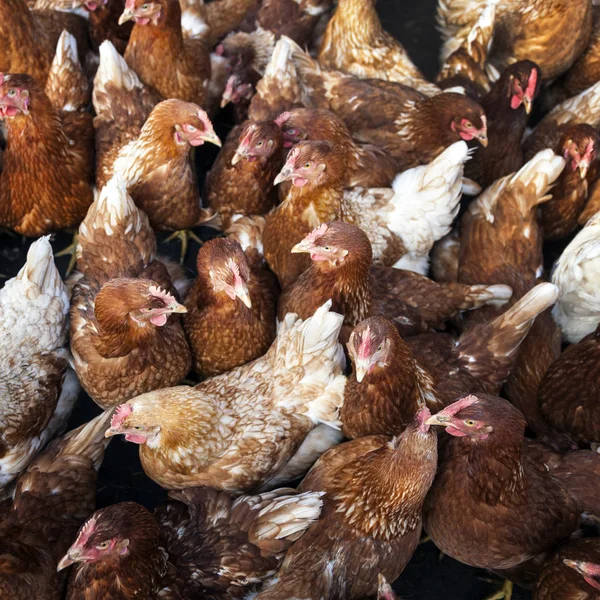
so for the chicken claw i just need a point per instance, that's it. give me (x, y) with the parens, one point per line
(70, 250)
(504, 593)
(184, 235)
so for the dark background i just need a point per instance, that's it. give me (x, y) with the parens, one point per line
(428, 575)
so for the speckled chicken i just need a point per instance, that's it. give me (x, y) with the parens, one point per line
(38, 387)
(125, 338)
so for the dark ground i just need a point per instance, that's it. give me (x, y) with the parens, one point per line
(428, 576)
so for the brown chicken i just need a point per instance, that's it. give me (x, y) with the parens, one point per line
(368, 166)
(241, 179)
(52, 499)
(579, 145)
(552, 33)
(240, 430)
(223, 548)
(175, 67)
(507, 107)
(125, 339)
(47, 173)
(341, 270)
(104, 22)
(492, 505)
(117, 555)
(573, 572)
(568, 393)
(231, 308)
(387, 385)
(411, 127)
(375, 490)
(355, 42)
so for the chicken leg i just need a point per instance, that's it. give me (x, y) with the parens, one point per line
(70, 250)
(504, 593)
(184, 235)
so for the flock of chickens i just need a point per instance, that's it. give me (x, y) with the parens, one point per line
(381, 348)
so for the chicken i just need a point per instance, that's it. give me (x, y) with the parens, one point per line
(116, 554)
(29, 38)
(572, 572)
(224, 547)
(368, 166)
(52, 499)
(103, 16)
(123, 338)
(38, 387)
(387, 386)
(355, 42)
(175, 67)
(279, 90)
(241, 179)
(568, 392)
(47, 172)
(237, 430)
(467, 66)
(411, 127)
(492, 505)
(225, 16)
(231, 309)
(576, 273)
(507, 107)
(371, 519)
(583, 108)
(579, 146)
(552, 33)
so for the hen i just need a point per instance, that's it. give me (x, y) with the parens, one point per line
(223, 547)
(38, 387)
(576, 274)
(51, 501)
(117, 555)
(375, 490)
(356, 43)
(47, 172)
(175, 67)
(552, 33)
(123, 338)
(493, 506)
(231, 308)
(411, 127)
(241, 179)
(104, 25)
(572, 572)
(236, 431)
(507, 107)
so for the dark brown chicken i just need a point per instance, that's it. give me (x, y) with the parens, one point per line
(493, 506)
(375, 490)
(241, 179)
(117, 555)
(387, 385)
(572, 573)
(231, 309)
(507, 107)
(368, 166)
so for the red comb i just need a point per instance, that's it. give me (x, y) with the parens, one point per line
(457, 406)
(235, 270)
(282, 118)
(366, 344)
(130, 4)
(422, 415)
(316, 233)
(204, 118)
(85, 532)
(161, 294)
(121, 413)
(531, 84)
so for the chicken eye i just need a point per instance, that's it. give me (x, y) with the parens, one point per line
(12, 93)
(307, 165)
(190, 128)
(292, 131)
(328, 248)
(380, 348)
(470, 422)
(103, 545)
(259, 144)
(468, 124)
(145, 6)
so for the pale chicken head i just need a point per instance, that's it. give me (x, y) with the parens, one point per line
(467, 417)
(469, 130)
(143, 12)
(370, 346)
(579, 147)
(523, 80)
(236, 90)
(15, 95)
(588, 570)
(89, 5)
(131, 421)
(132, 304)
(306, 164)
(224, 261)
(258, 141)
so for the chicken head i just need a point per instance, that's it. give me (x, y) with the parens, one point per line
(142, 12)
(370, 345)
(306, 163)
(579, 147)
(191, 123)
(258, 141)
(467, 131)
(14, 94)
(523, 81)
(131, 423)
(588, 570)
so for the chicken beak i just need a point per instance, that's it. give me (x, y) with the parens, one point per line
(240, 153)
(70, 558)
(528, 104)
(362, 368)
(583, 169)
(126, 16)
(303, 247)
(212, 138)
(111, 432)
(225, 100)
(177, 308)
(241, 291)
(284, 175)
(483, 138)
(439, 419)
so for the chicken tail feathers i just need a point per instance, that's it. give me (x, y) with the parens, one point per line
(247, 232)
(488, 350)
(477, 296)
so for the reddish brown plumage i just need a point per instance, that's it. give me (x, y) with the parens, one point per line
(104, 24)
(224, 333)
(492, 506)
(507, 107)
(371, 519)
(47, 176)
(157, 52)
(246, 187)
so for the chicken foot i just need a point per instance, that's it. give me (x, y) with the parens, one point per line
(184, 235)
(70, 250)
(504, 593)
